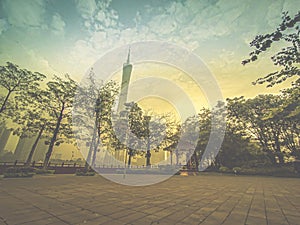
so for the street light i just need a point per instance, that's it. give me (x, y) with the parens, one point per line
(148, 153)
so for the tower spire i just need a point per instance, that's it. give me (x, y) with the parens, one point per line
(128, 56)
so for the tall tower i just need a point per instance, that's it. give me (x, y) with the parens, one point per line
(127, 68)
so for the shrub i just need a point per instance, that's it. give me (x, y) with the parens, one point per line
(19, 170)
(17, 175)
(284, 171)
(224, 169)
(43, 171)
(236, 170)
(16, 172)
(82, 172)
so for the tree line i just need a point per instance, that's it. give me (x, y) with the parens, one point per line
(259, 130)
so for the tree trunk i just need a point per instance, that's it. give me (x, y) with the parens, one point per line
(171, 157)
(92, 146)
(129, 157)
(278, 150)
(177, 157)
(95, 151)
(271, 156)
(53, 139)
(148, 153)
(29, 158)
(196, 161)
(5, 101)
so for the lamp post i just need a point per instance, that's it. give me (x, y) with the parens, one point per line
(148, 153)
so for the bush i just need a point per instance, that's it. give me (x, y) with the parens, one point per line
(17, 175)
(19, 170)
(284, 171)
(224, 169)
(43, 171)
(16, 172)
(236, 170)
(82, 172)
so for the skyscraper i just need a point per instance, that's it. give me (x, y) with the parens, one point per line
(127, 68)
(4, 136)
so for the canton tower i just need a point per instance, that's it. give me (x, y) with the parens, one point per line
(127, 68)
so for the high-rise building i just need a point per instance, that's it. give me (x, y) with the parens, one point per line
(4, 136)
(127, 69)
(23, 148)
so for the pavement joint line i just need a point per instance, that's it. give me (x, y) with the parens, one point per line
(265, 206)
(218, 206)
(3, 220)
(38, 208)
(80, 208)
(251, 200)
(285, 217)
(215, 209)
(249, 208)
(239, 200)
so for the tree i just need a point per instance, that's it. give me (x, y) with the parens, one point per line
(128, 131)
(288, 58)
(93, 114)
(237, 149)
(171, 138)
(254, 116)
(60, 95)
(153, 131)
(288, 112)
(15, 80)
(32, 119)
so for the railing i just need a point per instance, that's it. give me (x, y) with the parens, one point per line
(40, 164)
(70, 168)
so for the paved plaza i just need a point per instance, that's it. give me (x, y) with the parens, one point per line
(204, 199)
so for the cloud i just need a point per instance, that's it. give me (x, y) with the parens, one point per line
(22, 13)
(3, 26)
(39, 62)
(57, 24)
(188, 23)
(86, 8)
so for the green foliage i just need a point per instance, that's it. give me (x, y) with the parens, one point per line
(286, 171)
(92, 114)
(224, 169)
(81, 172)
(17, 81)
(265, 119)
(59, 95)
(18, 172)
(288, 57)
(236, 170)
(43, 171)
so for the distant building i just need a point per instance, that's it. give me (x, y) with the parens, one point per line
(4, 136)
(127, 69)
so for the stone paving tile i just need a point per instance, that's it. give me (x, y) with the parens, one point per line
(252, 220)
(28, 217)
(206, 199)
(149, 219)
(45, 221)
(96, 221)
(235, 218)
(132, 217)
(295, 220)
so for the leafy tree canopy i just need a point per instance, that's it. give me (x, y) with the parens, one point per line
(288, 58)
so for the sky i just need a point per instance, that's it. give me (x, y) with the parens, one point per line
(69, 36)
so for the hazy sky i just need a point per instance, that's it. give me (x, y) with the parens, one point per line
(68, 36)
